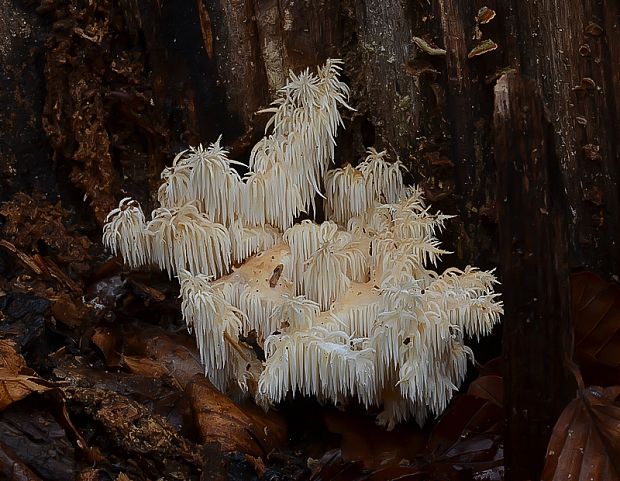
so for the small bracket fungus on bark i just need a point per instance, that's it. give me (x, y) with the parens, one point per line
(347, 309)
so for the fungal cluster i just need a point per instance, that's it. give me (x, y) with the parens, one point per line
(349, 309)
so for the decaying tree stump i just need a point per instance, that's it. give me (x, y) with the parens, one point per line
(98, 96)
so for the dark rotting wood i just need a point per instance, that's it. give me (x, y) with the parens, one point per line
(533, 247)
(572, 49)
(94, 117)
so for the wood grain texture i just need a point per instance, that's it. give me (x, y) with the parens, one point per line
(384, 34)
(240, 71)
(571, 49)
(537, 332)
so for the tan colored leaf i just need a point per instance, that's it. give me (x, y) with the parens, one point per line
(236, 428)
(585, 443)
(14, 387)
(145, 367)
(16, 379)
(9, 358)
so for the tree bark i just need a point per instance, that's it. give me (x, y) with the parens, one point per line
(99, 96)
(534, 270)
(571, 48)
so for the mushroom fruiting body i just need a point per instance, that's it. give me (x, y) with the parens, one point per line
(351, 308)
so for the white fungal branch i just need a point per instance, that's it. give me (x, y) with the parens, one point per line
(347, 194)
(351, 308)
(175, 189)
(304, 239)
(213, 182)
(123, 233)
(385, 178)
(215, 323)
(325, 278)
(296, 313)
(317, 362)
(246, 241)
(184, 238)
(307, 114)
(351, 192)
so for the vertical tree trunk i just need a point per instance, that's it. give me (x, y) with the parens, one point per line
(534, 270)
(571, 49)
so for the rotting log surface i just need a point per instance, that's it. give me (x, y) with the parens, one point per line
(112, 90)
(572, 49)
(534, 270)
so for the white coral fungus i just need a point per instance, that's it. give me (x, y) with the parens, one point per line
(348, 309)
(124, 233)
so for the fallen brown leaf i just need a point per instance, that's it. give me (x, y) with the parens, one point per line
(17, 381)
(68, 310)
(145, 367)
(494, 367)
(149, 351)
(596, 311)
(466, 443)
(9, 358)
(362, 440)
(585, 443)
(489, 387)
(14, 387)
(176, 355)
(109, 342)
(468, 437)
(246, 428)
(147, 293)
